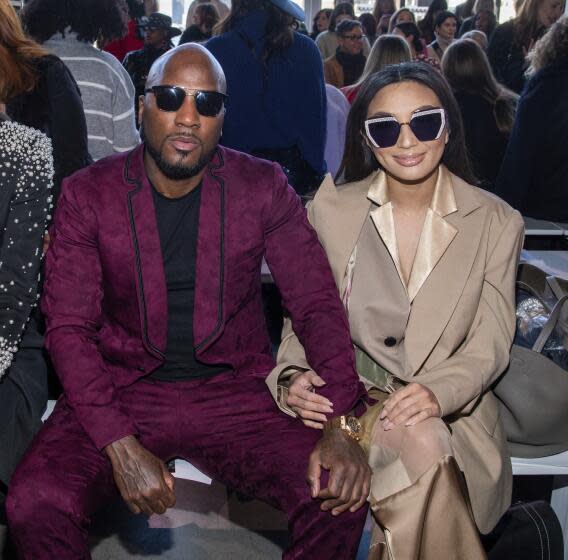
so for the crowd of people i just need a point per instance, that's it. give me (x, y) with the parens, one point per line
(171, 172)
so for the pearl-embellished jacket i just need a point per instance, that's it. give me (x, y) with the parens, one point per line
(26, 179)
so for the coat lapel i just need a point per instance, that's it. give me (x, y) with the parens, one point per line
(150, 277)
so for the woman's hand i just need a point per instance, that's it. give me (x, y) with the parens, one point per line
(302, 399)
(410, 405)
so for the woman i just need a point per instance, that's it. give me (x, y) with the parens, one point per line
(68, 30)
(328, 41)
(383, 8)
(205, 18)
(346, 65)
(389, 49)
(276, 104)
(445, 31)
(321, 23)
(425, 264)
(483, 18)
(479, 37)
(411, 34)
(370, 29)
(534, 171)
(513, 40)
(426, 25)
(51, 102)
(403, 15)
(132, 14)
(487, 108)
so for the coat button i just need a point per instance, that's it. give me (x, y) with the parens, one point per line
(142, 369)
(390, 341)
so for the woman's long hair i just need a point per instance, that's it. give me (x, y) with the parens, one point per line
(387, 50)
(409, 29)
(18, 55)
(383, 7)
(278, 30)
(467, 69)
(343, 8)
(315, 31)
(207, 15)
(394, 18)
(358, 159)
(552, 48)
(527, 26)
(435, 7)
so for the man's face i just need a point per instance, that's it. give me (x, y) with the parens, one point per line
(155, 37)
(182, 142)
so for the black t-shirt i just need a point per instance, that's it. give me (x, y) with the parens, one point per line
(178, 220)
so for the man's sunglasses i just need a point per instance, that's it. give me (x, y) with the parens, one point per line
(171, 98)
(427, 125)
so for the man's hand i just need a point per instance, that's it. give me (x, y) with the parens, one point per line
(349, 476)
(143, 480)
(410, 405)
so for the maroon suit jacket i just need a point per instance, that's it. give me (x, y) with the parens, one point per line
(105, 296)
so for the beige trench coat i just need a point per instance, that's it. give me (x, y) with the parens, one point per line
(461, 321)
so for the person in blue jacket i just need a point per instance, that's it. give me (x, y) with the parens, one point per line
(277, 101)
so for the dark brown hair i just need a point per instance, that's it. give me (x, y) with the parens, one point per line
(358, 159)
(343, 8)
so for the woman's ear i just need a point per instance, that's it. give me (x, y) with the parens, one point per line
(447, 136)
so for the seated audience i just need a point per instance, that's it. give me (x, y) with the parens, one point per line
(346, 65)
(26, 158)
(513, 40)
(143, 388)
(535, 169)
(328, 41)
(369, 25)
(389, 49)
(276, 106)
(50, 102)
(337, 111)
(445, 28)
(411, 34)
(478, 36)
(321, 23)
(403, 15)
(205, 18)
(425, 264)
(132, 13)
(483, 19)
(427, 24)
(487, 108)
(69, 30)
(157, 41)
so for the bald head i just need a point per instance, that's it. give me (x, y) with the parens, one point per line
(189, 56)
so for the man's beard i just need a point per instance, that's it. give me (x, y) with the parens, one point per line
(175, 171)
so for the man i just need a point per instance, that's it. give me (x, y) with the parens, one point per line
(157, 41)
(155, 328)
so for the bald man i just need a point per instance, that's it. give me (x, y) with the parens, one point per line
(155, 327)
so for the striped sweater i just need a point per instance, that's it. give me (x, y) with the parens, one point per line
(107, 93)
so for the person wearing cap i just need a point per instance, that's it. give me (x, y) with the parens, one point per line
(157, 41)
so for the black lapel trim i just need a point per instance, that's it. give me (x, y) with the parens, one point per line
(138, 185)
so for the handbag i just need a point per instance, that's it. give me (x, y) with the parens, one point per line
(533, 391)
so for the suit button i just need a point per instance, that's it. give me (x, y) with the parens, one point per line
(390, 341)
(142, 369)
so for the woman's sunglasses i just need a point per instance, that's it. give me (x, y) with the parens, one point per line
(171, 98)
(427, 125)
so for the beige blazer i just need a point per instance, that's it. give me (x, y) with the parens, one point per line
(454, 322)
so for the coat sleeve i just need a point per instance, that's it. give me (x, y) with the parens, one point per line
(126, 135)
(461, 379)
(20, 253)
(302, 273)
(72, 304)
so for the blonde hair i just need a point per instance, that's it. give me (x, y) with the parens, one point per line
(17, 55)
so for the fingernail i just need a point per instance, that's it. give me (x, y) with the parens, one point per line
(383, 415)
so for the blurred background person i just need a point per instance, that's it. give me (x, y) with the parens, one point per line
(479, 37)
(427, 24)
(158, 31)
(132, 14)
(514, 39)
(483, 18)
(411, 34)
(321, 22)
(382, 12)
(222, 10)
(534, 171)
(49, 102)
(337, 112)
(445, 28)
(403, 15)
(369, 25)
(205, 18)
(68, 30)
(327, 42)
(387, 50)
(464, 10)
(487, 108)
(346, 65)
(151, 7)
